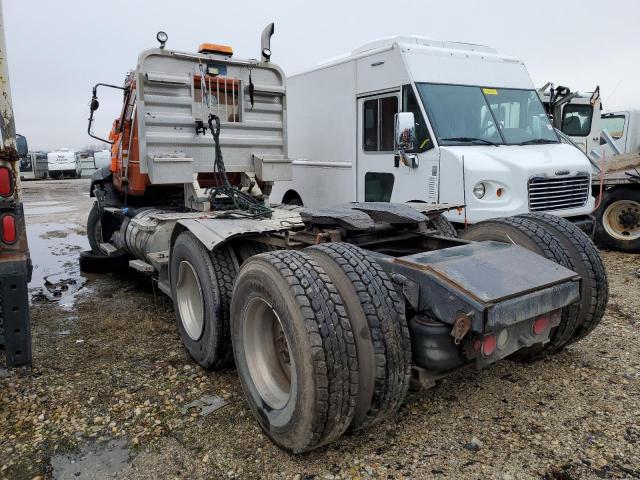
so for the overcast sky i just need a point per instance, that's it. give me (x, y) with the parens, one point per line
(59, 48)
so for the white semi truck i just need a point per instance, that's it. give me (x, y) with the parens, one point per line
(327, 313)
(483, 137)
(606, 138)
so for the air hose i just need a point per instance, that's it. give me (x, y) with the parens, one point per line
(226, 196)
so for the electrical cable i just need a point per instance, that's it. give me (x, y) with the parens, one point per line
(226, 196)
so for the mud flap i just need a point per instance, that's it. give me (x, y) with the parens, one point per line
(15, 319)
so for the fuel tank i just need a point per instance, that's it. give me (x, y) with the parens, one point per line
(143, 233)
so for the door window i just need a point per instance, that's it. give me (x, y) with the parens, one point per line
(410, 104)
(576, 120)
(614, 125)
(378, 186)
(378, 124)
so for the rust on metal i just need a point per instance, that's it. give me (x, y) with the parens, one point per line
(461, 327)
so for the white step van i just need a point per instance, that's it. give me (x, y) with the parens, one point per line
(482, 137)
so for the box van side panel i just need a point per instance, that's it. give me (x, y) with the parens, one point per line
(322, 135)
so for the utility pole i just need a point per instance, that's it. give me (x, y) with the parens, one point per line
(15, 262)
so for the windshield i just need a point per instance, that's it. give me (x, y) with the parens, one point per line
(464, 115)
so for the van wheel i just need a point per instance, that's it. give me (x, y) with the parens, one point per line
(443, 226)
(294, 350)
(526, 233)
(201, 286)
(380, 327)
(587, 262)
(618, 220)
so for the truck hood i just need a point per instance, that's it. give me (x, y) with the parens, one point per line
(550, 160)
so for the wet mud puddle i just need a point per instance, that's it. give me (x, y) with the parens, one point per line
(55, 242)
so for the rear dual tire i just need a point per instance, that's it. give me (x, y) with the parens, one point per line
(294, 349)
(379, 324)
(348, 353)
(562, 242)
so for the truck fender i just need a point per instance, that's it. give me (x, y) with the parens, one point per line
(101, 176)
(213, 232)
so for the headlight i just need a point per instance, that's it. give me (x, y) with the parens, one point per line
(479, 190)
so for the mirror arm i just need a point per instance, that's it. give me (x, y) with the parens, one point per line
(94, 98)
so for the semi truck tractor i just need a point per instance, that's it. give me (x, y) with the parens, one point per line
(483, 138)
(328, 314)
(608, 139)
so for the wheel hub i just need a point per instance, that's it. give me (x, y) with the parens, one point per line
(189, 299)
(621, 220)
(267, 353)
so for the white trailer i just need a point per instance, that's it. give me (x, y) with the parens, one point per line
(64, 162)
(483, 138)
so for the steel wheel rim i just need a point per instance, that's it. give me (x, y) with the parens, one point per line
(190, 302)
(267, 353)
(612, 220)
(97, 232)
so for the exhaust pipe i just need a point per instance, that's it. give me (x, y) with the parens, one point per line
(265, 43)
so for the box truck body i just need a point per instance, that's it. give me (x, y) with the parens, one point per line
(483, 138)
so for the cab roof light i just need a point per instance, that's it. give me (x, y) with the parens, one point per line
(215, 48)
(6, 182)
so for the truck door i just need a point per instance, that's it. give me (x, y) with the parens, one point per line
(378, 180)
(581, 121)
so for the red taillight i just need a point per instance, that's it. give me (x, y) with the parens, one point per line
(6, 183)
(9, 228)
(540, 325)
(489, 345)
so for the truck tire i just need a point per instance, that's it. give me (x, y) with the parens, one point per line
(618, 220)
(94, 230)
(294, 349)
(201, 286)
(101, 263)
(587, 262)
(443, 226)
(100, 228)
(245, 249)
(526, 233)
(380, 327)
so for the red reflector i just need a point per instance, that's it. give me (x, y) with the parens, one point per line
(489, 345)
(9, 229)
(6, 185)
(540, 325)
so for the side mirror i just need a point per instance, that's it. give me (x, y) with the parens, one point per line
(405, 131)
(21, 146)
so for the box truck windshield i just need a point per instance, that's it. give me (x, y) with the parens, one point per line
(462, 115)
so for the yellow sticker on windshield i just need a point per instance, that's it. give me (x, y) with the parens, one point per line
(490, 91)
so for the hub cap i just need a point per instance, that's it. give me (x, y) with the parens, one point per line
(190, 303)
(621, 220)
(267, 352)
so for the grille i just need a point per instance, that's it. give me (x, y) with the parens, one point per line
(558, 193)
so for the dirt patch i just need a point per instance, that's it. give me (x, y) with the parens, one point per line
(119, 372)
(54, 234)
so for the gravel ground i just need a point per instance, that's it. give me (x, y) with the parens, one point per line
(110, 376)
